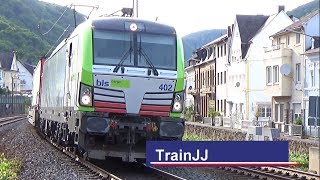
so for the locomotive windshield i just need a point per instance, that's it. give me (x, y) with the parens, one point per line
(135, 49)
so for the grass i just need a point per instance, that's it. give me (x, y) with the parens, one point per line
(9, 168)
(302, 159)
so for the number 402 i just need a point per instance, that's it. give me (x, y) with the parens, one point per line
(165, 87)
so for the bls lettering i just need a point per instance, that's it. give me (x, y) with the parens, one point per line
(102, 83)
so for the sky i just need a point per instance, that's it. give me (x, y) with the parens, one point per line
(189, 16)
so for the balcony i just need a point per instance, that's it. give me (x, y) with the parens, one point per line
(278, 52)
(278, 56)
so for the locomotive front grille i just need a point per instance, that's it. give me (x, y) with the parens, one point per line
(109, 100)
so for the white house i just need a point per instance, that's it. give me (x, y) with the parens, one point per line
(244, 28)
(220, 54)
(257, 100)
(246, 69)
(26, 76)
(15, 75)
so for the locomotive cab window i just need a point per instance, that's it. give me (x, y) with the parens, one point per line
(110, 47)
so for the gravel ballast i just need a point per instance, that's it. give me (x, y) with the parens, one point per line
(39, 159)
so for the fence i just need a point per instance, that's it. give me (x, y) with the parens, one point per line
(286, 129)
(10, 105)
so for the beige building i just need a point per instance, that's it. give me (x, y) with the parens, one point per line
(284, 62)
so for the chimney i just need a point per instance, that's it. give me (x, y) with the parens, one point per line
(229, 31)
(232, 26)
(280, 8)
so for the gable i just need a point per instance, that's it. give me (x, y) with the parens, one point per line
(248, 27)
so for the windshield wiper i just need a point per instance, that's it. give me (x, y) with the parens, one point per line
(123, 58)
(141, 51)
(155, 72)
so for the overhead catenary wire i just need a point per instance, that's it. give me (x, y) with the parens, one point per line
(67, 7)
(54, 44)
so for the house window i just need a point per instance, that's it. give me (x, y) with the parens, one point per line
(276, 112)
(225, 49)
(281, 117)
(296, 110)
(298, 78)
(268, 75)
(218, 78)
(278, 42)
(264, 111)
(288, 40)
(297, 38)
(218, 51)
(312, 78)
(276, 74)
(221, 76)
(225, 77)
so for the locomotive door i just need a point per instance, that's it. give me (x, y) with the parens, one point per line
(73, 75)
(69, 57)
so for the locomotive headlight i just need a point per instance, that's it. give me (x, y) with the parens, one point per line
(177, 107)
(177, 104)
(85, 96)
(86, 99)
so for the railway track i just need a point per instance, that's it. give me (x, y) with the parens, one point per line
(12, 119)
(86, 169)
(164, 174)
(281, 173)
(93, 171)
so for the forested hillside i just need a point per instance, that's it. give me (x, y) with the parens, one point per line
(305, 9)
(23, 23)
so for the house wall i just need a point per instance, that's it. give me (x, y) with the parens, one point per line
(25, 77)
(9, 81)
(236, 75)
(311, 89)
(222, 78)
(189, 100)
(1, 79)
(256, 71)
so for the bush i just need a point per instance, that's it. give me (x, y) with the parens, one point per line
(8, 168)
(298, 121)
(188, 112)
(213, 113)
(301, 158)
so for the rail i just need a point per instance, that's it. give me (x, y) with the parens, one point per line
(280, 173)
(11, 119)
